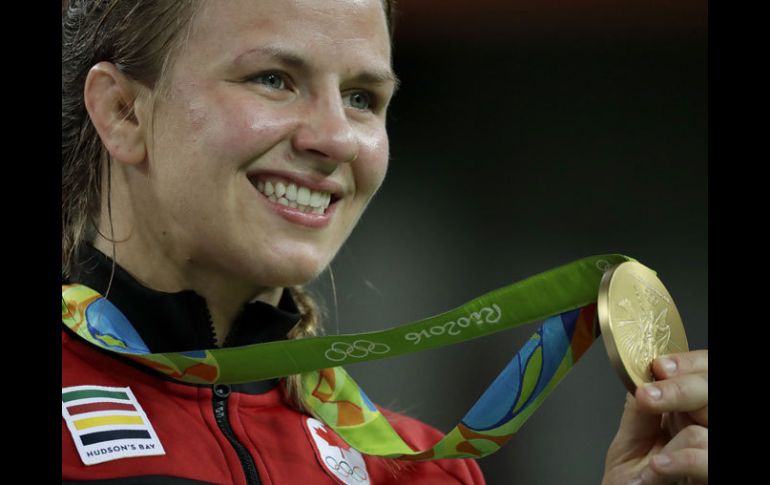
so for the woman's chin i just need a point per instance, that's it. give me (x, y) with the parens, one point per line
(296, 273)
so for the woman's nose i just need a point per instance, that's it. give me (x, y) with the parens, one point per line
(325, 132)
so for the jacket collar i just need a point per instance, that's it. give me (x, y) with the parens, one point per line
(178, 322)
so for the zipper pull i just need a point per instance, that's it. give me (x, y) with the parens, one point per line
(222, 391)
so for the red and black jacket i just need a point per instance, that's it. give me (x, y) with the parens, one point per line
(239, 434)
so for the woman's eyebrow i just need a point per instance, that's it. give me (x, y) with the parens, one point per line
(284, 56)
(385, 76)
(295, 60)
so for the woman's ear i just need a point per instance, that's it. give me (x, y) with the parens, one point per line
(112, 102)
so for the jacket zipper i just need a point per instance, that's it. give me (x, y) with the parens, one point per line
(221, 393)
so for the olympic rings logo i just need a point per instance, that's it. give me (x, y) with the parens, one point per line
(359, 349)
(343, 468)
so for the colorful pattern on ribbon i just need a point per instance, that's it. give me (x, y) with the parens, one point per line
(100, 322)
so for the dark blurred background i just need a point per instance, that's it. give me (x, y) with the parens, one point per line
(528, 134)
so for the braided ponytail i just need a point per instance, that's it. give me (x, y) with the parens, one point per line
(308, 326)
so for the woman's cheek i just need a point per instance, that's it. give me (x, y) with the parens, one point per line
(372, 171)
(247, 128)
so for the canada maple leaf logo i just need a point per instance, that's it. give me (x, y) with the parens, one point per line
(332, 439)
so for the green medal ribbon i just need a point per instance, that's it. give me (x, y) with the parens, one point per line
(565, 297)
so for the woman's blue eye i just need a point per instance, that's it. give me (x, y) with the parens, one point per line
(359, 100)
(271, 80)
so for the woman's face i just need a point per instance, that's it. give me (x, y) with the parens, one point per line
(281, 97)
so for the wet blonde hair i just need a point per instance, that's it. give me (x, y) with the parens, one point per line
(140, 37)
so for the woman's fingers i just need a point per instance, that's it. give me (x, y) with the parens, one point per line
(673, 423)
(694, 362)
(683, 393)
(691, 437)
(667, 469)
(686, 456)
(678, 444)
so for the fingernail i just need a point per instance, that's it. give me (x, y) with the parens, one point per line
(653, 392)
(635, 481)
(668, 365)
(661, 460)
(648, 475)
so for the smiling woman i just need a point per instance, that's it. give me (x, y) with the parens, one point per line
(232, 117)
(216, 156)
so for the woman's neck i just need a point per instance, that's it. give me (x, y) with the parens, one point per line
(224, 295)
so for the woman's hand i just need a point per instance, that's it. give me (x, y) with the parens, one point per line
(663, 434)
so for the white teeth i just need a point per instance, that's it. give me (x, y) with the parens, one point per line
(291, 192)
(280, 189)
(316, 198)
(303, 196)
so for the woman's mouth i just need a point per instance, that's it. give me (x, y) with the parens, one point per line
(296, 202)
(294, 195)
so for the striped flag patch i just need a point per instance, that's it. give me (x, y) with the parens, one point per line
(107, 423)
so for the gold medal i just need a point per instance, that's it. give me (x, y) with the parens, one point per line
(639, 321)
